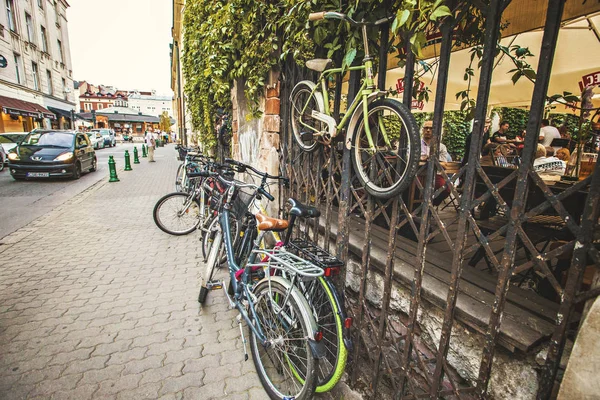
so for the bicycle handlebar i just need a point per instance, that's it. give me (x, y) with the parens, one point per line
(316, 16)
(263, 174)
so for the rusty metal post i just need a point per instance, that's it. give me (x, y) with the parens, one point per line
(440, 96)
(553, 19)
(492, 34)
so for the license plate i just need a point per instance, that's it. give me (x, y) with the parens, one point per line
(38, 174)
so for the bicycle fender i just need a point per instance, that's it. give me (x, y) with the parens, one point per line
(317, 349)
(318, 95)
(358, 112)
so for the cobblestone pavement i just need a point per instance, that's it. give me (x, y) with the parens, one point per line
(97, 302)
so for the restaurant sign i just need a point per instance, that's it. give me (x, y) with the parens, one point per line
(589, 79)
(14, 111)
(416, 104)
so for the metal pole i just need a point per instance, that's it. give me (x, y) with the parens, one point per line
(553, 19)
(492, 34)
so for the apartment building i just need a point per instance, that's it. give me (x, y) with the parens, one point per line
(36, 85)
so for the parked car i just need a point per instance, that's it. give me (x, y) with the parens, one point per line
(10, 140)
(97, 139)
(52, 153)
(108, 135)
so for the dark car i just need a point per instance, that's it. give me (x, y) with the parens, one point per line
(52, 153)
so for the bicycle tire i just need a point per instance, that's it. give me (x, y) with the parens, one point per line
(210, 267)
(332, 366)
(285, 351)
(299, 100)
(179, 178)
(208, 236)
(173, 205)
(406, 147)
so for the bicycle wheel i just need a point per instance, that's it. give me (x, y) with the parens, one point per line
(210, 266)
(176, 214)
(1, 161)
(303, 102)
(286, 367)
(389, 169)
(209, 236)
(179, 177)
(321, 298)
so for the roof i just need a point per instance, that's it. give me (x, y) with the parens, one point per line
(151, 97)
(119, 110)
(24, 108)
(117, 117)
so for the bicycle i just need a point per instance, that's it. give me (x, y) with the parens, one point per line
(382, 134)
(190, 162)
(285, 340)
(328, 307)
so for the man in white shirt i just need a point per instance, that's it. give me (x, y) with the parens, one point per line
(548, 133)
(444, 156)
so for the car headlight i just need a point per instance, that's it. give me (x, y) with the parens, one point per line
(13, 156)
(64, 156)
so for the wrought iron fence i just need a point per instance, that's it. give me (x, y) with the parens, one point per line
(388, 355)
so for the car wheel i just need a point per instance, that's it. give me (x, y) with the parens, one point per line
(1, 161)
(77, 171)
(94, 165)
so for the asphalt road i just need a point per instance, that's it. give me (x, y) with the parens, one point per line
(23, 201)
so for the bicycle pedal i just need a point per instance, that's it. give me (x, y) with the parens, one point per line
(214, 285)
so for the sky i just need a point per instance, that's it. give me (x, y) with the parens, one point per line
(122, 43)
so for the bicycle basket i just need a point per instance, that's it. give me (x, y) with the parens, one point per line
(242, 202)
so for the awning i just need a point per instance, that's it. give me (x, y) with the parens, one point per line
(60, 112)
(24, 108)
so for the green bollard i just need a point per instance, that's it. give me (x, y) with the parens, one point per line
(136, 159)
(127, 162)
(113, 169)
(144, 153)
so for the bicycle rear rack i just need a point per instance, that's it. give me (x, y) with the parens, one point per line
(315, 254)
(284, 260)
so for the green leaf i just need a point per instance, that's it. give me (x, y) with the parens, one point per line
(402, 17)
(349, 57)
(441, 11)
(516, 76)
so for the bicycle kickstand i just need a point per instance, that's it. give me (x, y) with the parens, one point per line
(239, 318)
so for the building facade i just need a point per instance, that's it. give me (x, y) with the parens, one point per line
(149, 103)
(183, 126)
(34, 41)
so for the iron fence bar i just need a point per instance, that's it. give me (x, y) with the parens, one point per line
(585, 296)
(551, 29)
(492, 33)
(440, 96)
(576, 270)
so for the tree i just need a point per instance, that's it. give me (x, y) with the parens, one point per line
(165, 122)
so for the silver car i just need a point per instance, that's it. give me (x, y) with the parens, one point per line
(9, 141)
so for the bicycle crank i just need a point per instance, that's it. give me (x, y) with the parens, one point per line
(214, 285)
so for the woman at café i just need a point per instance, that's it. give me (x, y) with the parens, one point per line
(548, 167)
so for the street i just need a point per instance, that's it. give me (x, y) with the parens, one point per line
(23, 201)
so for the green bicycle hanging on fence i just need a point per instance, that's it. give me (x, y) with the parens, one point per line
(385, 150)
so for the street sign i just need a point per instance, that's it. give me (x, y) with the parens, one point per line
(3, 62)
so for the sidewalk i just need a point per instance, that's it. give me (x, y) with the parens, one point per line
(97, 302)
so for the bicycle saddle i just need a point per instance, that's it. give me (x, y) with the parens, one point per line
(300, 210)
(270, 224)
(319, 64)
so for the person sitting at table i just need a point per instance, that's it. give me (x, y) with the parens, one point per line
(548, 133)
(489, 150)
(427, 133)
(500, 135)
(563, 154)
(548, 167)
(484, 141)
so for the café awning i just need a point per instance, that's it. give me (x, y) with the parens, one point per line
(60, 112)
(17, 107)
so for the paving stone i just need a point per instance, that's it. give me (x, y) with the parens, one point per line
(47, 387)
(97, 376)
(149, 391)
(138, 366)
(81, 366)
(114, 347)
(165, 347)
(202, 363)
(64, 358)
(125, 356)
(81, 392)
(210, 391)
(163, 373)
(193, 379)
(114, 386)
(183, 355)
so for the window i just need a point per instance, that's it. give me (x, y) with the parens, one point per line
(40, 4)
(18, 67)
(87, 106)
(64, 86)
(29, 25)
(10, 13)
(60, 51)
(100, 106)
(138, 127)
(36, 78)
(49, 78)
(44, 39)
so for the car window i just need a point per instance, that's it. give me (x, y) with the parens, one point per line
(82, 140)
(50, 139)
(12, 137)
